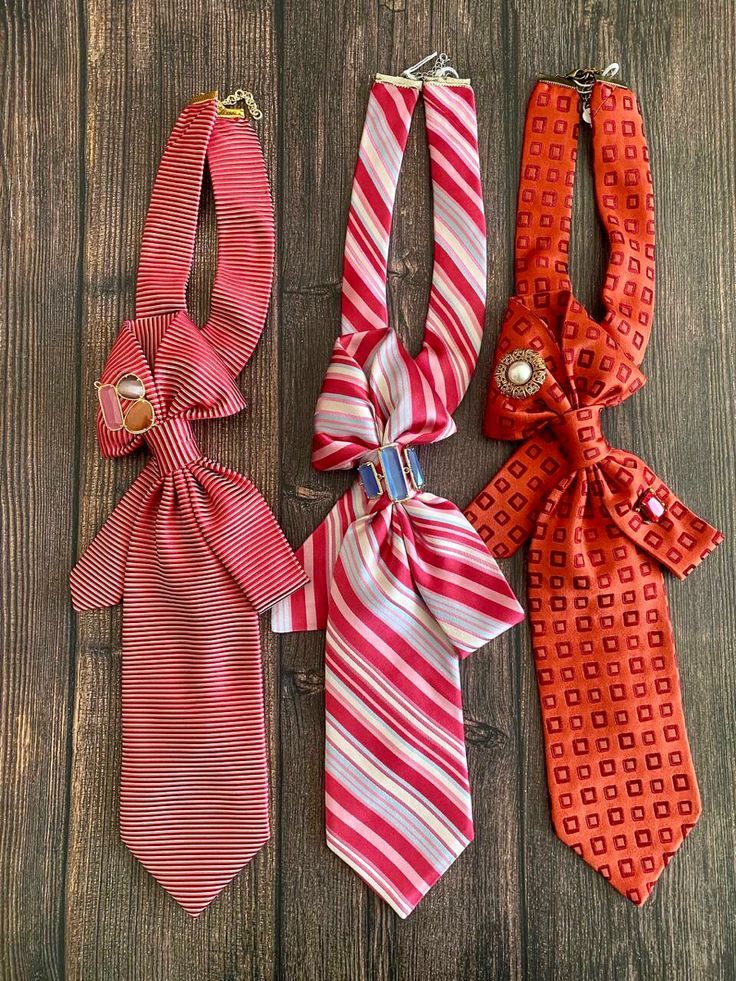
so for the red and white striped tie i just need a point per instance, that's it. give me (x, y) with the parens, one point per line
(192, 550)
(400, 580)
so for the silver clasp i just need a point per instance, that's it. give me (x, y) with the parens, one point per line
(441, 68)
(585, 78)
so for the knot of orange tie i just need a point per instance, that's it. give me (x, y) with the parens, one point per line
(580, 436)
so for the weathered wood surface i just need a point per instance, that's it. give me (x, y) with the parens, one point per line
(89, 91)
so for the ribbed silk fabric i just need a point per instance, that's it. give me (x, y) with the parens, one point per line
(622, 786)
(404, 590)
(192, 550)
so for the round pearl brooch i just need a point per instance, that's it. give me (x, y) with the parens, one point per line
(520, 373)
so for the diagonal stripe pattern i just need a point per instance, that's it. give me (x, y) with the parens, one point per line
(404, 589)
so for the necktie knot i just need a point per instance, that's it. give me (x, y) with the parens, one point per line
(580, 436)
(173, 445)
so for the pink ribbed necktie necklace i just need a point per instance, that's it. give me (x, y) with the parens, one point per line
(192, 550)
(402, 583)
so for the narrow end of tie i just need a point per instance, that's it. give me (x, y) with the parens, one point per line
(193, 897)
(371, 876)
(403, 894)
(634, 874)
(194, 878)
(194, 911)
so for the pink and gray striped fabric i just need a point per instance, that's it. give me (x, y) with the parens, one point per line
(192, 550)
(404, 590)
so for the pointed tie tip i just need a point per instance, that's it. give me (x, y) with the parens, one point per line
(398, 904)
(194, 886)
(641, 888)
(402, 897)
(194, 906)
(633, 875)
(195, 912)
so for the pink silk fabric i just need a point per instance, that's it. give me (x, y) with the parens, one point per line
(192, 550)
(404, 589)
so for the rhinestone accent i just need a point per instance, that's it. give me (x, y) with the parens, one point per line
(395, 472)
(416, 474)
(394, 476)
(131, 387)
(370, 480)
(651, 507)
(112, 413)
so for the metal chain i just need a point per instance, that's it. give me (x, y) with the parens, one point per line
(440, 68)
(242, 95)
(584, 80)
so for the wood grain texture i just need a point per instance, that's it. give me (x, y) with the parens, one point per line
(89, 92)
(40, 229)
(324, 912)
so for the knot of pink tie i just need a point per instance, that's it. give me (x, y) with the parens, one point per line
(580, 436)
(173, 445)
(391, 474)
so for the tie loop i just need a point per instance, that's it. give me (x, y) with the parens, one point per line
(580, 436)
(173, 445)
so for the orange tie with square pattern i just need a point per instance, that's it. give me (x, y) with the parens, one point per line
(622, 786)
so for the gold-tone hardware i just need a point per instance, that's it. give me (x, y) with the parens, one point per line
(240, 95)
(516, 383)
(204, 97)
(135, 402)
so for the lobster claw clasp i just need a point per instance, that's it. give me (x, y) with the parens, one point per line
(441, 68)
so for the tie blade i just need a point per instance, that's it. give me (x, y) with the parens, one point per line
(397, 796)
(398, 832)
(194, 873)
(632, 859)
(394, 876)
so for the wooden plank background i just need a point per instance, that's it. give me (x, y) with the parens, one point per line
(89, 92)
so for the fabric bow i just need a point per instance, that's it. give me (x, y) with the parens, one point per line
(587, 371)
(179, 487)
(369, 399)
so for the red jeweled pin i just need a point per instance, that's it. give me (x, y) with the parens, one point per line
(650, 507)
